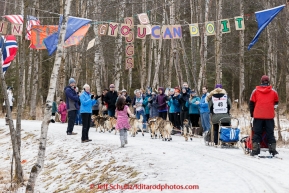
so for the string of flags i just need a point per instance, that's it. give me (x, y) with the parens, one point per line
(46, 36)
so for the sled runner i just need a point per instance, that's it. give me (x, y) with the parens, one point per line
(228, 136)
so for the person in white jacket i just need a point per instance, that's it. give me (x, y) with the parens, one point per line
(11, 100)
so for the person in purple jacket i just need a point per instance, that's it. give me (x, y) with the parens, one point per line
(162, 103)
(72, 105)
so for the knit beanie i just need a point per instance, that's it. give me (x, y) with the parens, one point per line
(71, 80)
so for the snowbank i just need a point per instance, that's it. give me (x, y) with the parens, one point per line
(71, 166)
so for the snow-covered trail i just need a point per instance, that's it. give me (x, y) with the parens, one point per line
(72, 166)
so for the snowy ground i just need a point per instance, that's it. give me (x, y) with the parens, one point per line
(71, 166)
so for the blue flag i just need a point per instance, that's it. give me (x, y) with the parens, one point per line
(264, 18)
(73, 24)
(51, 41)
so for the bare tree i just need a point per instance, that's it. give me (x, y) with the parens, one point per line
(98, 57)
(218, 50)
(35, 76)
(158, 51)
(172, 48)
(39, 165)
(204, 45)
(241, 61)
(143, 52)
(118, 51)
(13, 133)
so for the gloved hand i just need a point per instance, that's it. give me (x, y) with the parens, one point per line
(275, 106)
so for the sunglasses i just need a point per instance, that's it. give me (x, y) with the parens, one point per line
(111, 87)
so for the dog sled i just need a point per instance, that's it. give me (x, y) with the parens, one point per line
(247, 144)
(228, 136)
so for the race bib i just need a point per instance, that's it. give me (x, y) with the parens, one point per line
(220, 105)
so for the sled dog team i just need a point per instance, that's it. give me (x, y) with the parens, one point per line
(183, 107)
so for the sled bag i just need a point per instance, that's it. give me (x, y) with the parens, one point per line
(229, 134)
(263, 144)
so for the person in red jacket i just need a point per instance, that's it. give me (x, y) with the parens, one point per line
(264, 99)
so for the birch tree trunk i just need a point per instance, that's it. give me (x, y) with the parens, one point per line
(98, 57)
(185, 63)
(34, 85)
(39, 165)
(218, 50)
(22, 66)
(30, 66)
(150, 63)
(287, 91)
(33, 100)
(77, 70)
(158, 53)
(270, 48)
(62, 70)
(176, 64)
(204, 46)
(241, 61)
(21, 94)
(172, 22)
(13, 133)
(118, 52)
(287, 62)
(4, 9)
(143, 52)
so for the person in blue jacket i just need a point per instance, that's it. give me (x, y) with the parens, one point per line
(194, 108)
(86, 109)
(175, 108)
(204, 111)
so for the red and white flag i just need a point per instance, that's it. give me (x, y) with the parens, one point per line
(18, 19)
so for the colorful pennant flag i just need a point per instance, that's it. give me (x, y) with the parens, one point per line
(264, 18)
(18, 19)
(9, 50)
(40, 32)
(73, 24)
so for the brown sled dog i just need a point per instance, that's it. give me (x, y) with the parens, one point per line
(187, 130)
(135, 124)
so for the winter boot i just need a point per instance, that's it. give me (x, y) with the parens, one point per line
(122, 144)
(7, 121)
(272, 149)
(256, 149)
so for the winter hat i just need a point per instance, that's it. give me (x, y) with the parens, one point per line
(218, 86)
(153, 93)
(71, 80)
(9, 88)
(123, 90)
(193, 92)
(111, 86)
(265, 78)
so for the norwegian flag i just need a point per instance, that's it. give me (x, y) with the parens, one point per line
(9, 48)
(18, 19)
